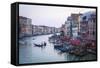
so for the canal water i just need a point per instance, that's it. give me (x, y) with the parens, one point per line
(29, 53)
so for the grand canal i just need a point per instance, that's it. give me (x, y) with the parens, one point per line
(28, 53)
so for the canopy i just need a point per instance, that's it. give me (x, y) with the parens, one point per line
(75, 42)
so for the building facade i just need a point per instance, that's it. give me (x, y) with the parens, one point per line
(88, 26)
(25, 26)
(42, 30)
(72, 25)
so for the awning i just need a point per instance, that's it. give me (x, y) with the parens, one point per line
(75, 42)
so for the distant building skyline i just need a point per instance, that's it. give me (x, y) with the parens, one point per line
(52, 16)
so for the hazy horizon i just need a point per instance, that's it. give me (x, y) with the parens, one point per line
(52, 16)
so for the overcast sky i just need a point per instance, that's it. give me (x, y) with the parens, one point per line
(49, 15)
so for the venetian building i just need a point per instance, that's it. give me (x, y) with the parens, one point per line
(25, 26)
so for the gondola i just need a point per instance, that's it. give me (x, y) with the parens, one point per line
(38, 45)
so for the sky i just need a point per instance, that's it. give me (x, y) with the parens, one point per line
(52, 16)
